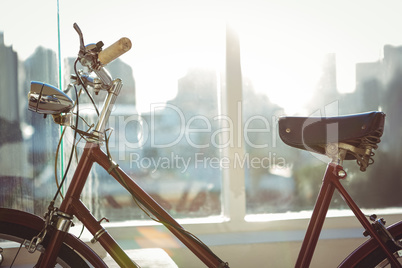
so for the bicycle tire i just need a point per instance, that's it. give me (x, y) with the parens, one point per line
(369, 254)
(17, 233)
(21, 228)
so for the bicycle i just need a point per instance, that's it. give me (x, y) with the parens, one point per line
(356, 139)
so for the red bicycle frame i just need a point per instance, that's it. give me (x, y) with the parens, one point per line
(331, 181)
(72, 205)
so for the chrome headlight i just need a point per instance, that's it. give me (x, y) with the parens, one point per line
(47, 99)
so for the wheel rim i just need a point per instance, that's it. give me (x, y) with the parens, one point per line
(11, 245)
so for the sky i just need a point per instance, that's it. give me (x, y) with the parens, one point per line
(283, 41)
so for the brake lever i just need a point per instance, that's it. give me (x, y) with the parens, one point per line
(88, 56)
(81, 36)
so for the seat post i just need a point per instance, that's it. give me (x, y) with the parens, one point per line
(336, 153)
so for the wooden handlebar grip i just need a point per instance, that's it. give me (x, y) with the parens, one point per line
(114, 51)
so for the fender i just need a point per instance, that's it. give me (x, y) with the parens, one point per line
(37, 223)
(367, 247)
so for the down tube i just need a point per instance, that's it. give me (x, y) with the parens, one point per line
(202, 253)
(100, 234)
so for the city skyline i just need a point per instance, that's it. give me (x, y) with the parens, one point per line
(125, 71)
(379, 85)
(286, 39)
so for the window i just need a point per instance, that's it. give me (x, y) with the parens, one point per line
(27, 141)
(201, 136)
(299, 60)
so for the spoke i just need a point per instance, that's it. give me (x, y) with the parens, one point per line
(16, 255)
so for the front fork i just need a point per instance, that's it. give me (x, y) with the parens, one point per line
(58, 223)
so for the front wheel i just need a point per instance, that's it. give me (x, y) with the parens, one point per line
(18, 228)
(370, 254)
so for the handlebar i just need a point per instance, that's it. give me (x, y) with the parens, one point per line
(114, 51)
(93, 57)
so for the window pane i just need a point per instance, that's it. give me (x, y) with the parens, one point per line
(27, 141)
(300, 59)
(163, 123)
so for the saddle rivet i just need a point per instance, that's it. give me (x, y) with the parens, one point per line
(287, 130)
(364, 127)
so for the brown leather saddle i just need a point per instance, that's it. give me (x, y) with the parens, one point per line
(314, 133)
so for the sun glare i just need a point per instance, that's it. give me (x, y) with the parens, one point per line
(285, 67)
(283, 43)
(160, 60)
(284, 46)
(288, 83)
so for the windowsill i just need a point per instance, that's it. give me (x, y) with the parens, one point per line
(307, 214)
(184, 221)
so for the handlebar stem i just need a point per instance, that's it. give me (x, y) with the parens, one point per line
(107, 109)
(104, 76)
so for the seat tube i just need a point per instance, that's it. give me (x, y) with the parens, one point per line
(317, 219)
